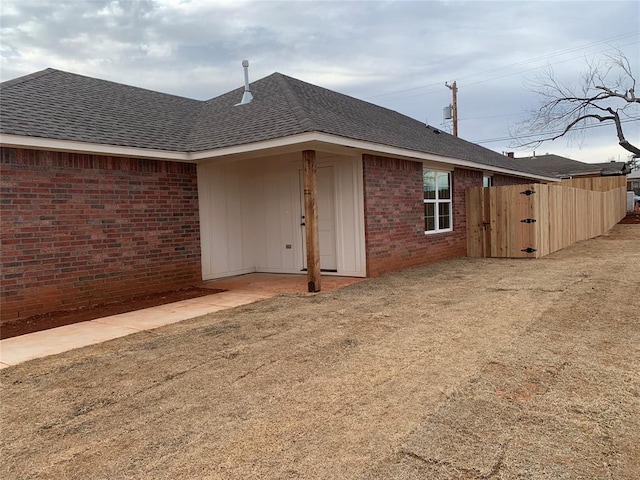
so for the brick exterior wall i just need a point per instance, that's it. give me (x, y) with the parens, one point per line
(394, 216)
(79, 230)
(500, 180)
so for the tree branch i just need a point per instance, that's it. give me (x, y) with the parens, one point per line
(626, 96)
(600, 118)
(607, 90)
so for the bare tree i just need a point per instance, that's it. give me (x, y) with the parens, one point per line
(605, 93)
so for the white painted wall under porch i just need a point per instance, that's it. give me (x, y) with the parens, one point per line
(251, 215)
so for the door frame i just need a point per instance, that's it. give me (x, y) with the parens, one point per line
(321, 191)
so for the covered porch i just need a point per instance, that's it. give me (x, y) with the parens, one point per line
(298, 213)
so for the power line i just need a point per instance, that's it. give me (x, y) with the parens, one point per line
(439, 84)
(509, 66)
(493, 116)
(466, 86)
(554, 54)
(546, 134)
(533, 68)
(439, 90)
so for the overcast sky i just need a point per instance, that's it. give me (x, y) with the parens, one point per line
(395, 54)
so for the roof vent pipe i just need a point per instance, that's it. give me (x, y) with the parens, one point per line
(246, 96)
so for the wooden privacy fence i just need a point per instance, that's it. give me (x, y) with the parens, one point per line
(531, 221)
(597, 184)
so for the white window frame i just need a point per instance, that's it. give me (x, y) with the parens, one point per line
(438, 201)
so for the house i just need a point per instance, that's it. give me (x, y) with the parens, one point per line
(633, 189)
(633, 182)
(563, 167)
(109, 191)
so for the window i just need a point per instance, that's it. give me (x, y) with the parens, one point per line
(437, 201)
(487, 181)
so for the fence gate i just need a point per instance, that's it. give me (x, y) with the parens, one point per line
(501, 221)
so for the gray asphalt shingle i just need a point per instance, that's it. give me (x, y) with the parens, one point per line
(558, 166)
(60, 105)
(64, 106)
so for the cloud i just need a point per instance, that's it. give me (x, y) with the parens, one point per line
(364, 49)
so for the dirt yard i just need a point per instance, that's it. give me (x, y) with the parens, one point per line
(469, 369)
(67, 317)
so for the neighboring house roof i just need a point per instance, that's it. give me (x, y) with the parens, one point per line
(59, 105)
(634, 175)
(557, 166)
(613, 168)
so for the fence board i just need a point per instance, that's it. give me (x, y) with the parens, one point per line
(597, 184)
(475, 216)
(485, 209)
(545, 218)
(563, 215)
(558, 225)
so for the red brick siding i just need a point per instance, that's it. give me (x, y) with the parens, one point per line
(500, 180)
(79, 229)
(394, 216)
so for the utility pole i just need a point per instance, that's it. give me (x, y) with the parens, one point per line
(454, 105)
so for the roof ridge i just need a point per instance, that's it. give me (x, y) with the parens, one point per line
(49, 71)
(296, 106)
(608, 163)
(26, 78)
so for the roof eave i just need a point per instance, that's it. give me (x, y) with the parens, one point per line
(308, 140)
(318, 140)
(24, 141)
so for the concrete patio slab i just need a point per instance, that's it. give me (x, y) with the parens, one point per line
(155, 317)
(57, 340)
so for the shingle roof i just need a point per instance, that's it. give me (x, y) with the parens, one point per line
(612, 168)
(557, 166)
(60, 105)
(65, 106)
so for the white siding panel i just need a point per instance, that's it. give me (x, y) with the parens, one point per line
(277, 213)
(327, 216)
(221, 220)
(233, 202)
(350, 218)
(204, 201)
(219, 227)
(271, 211)
(255, 218)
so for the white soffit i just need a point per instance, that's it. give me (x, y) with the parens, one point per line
(303, 141)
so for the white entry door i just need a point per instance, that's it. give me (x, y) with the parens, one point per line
(326, 219)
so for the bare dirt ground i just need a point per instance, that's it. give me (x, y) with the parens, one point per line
(38, 323)
(631, 218)
(468, 369)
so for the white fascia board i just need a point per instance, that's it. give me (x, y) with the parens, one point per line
(430, 157)
(293, 142)
(316, 140)
(22, 141)
(310, 140)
